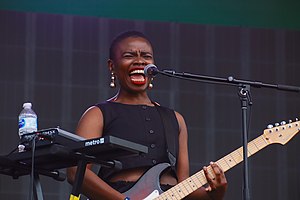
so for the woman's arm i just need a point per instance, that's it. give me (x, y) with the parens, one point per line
(91, 126)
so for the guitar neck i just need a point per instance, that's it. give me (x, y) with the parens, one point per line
(235, 157)
(197, 180)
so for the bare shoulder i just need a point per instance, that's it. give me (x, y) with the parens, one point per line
(181, 121)
(91, 123)
(92, 111)
(179, 116)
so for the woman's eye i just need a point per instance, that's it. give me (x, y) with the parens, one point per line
(148, 57)
(128, 56)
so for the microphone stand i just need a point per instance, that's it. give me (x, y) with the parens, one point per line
(245, 98)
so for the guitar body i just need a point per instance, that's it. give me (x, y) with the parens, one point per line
(148, 186)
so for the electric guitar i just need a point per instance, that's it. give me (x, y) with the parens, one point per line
(148, 187)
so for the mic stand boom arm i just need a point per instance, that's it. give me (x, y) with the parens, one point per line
(245, 98)
(231, 81)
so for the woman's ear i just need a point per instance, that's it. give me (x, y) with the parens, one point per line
(110, 65)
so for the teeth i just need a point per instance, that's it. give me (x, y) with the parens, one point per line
(137, 71)
(138, 80)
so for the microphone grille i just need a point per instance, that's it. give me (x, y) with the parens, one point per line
(149, 66)
(147, 69)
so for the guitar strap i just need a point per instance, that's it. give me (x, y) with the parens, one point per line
(171, 133)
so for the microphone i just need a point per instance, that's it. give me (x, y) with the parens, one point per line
(151, 70)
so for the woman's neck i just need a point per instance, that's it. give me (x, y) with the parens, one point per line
(134, 99)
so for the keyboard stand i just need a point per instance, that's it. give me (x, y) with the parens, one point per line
(50, 158)
(81, 167)
(38, 194)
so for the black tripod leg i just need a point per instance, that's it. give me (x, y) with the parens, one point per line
(38, 194)
(75, 195)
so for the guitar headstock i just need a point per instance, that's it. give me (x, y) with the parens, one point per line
(281, 133)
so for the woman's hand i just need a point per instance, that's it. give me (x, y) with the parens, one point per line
(217, 183)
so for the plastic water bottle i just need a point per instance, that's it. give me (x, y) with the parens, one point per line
(27, 120)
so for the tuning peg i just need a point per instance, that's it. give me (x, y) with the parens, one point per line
(283, 123)
(276, 124)
(290, 121)
(297, 119)
(270, 126)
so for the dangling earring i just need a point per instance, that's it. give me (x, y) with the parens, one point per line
(112, 80)
(150, 86)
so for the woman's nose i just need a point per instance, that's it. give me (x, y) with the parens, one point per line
(140, 60)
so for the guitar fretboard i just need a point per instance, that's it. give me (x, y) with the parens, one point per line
(197, 180)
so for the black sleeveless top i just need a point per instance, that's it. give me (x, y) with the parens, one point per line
(140, 124)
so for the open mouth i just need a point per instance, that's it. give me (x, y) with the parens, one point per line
(137, 76)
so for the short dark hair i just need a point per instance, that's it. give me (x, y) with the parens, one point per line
(123, 36)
